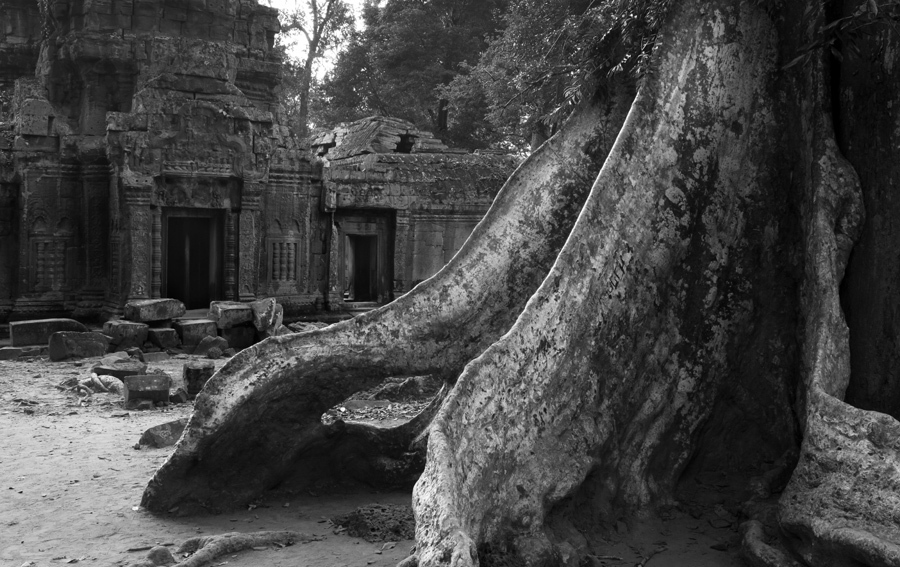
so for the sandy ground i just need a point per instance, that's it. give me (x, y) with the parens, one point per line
(71, 482)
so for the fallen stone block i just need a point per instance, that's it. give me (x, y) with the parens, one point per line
(227, 314)
(151, 310)
(38, 332)
(195, 375)
(208, 343)
(164, 338)
(267, 314)
(147, 387)
(163, 435)
(10, 353)
(151, 357)
(180, 396)
(125, 334)
(113, 358)
(72, 344)
(192, 331)
(121, 369)
(239, 337)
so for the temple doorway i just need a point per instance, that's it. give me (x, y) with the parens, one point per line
(193, 265)
(361, 265)
(365, 264)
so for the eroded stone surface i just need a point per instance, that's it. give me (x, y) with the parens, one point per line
(69, 344)
(38, 332)
(151, 310)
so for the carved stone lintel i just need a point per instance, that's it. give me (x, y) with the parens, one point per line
(156, 279)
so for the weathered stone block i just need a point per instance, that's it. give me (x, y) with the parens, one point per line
(192, 331)
(240, 337)
(72, 344)
(10, 353)
(151, 357)
(126, 334)
(195, 375)
(121, 369)
(208, 343)
(163, 338)
(227, 314)
(267, 314)
(164, 434)
(149, 310)
(38, 332)
(147, 387)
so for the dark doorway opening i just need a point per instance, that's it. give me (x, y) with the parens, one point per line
(193, 266)
(361, 267)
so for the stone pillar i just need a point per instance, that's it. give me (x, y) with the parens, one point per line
(333, 299)
(401, 241)
(248, 242)
(156, 259)
(230, 237)
(139, 227)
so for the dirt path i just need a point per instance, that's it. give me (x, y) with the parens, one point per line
(71, 481)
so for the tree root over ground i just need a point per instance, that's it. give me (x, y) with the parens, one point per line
(206, 549)
(257, 423)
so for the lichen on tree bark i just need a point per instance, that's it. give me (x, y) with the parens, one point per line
(690, 315)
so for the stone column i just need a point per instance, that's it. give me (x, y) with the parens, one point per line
(156, 270)
(248, 242)
(139, 227)
(401, 241)
(333, 299)
(230, 238)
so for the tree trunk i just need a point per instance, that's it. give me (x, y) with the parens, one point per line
(257, 423)
(689, 322)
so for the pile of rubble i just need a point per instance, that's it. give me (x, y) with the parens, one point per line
(155, 327)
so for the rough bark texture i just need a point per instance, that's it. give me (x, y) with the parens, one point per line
(617, 360)
(259, 416)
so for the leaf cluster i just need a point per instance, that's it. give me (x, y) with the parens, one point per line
(849, 32)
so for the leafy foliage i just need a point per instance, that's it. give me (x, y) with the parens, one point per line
(408, 50)
(846, 32)
(323, 24)
(551, 54)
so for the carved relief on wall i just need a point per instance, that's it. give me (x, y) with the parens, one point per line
(247, 248)
(141, 225)
(197, 191)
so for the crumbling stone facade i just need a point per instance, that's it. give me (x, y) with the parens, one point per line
(142, 156)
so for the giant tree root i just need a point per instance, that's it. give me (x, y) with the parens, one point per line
(600, 387)
(259, 416)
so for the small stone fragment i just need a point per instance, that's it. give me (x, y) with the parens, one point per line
(164, 435)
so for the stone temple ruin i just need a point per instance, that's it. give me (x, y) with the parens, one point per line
(142, 156)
